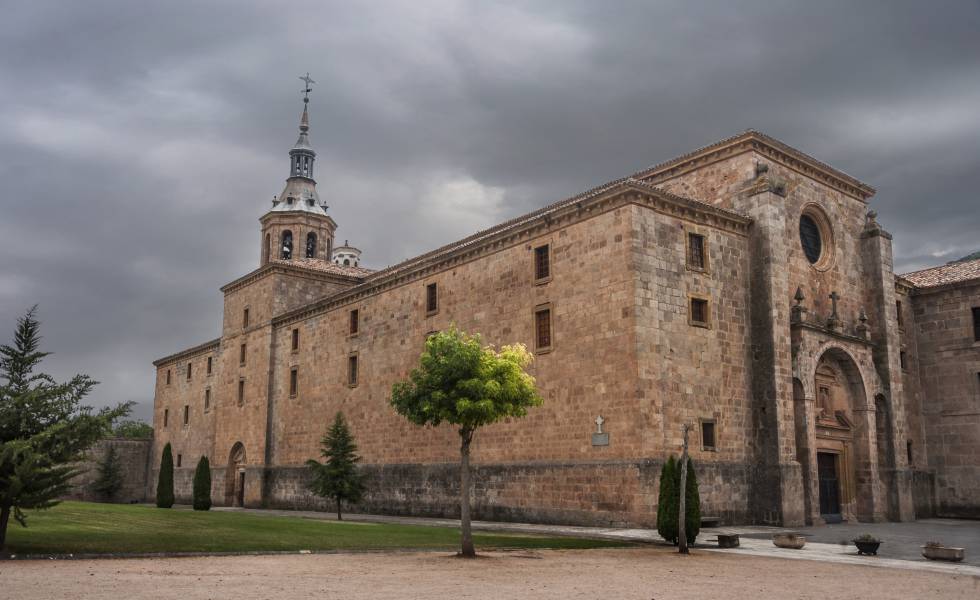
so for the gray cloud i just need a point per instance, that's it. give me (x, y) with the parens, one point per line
(139, 145)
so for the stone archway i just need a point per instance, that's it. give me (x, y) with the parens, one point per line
(235, 476)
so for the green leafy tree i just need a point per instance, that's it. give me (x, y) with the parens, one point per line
(202, 485)
(110, 478)
(692, 504)
(338, 478)
(165, 481)
(668, 502)
(463, 383)
(44, 428)
(134, 430)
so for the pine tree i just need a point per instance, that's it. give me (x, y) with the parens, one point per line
(668, 502)
(202, 485)
(338, 478)
(692, 518)
(110, 479)
(44, 428)
(165, 482)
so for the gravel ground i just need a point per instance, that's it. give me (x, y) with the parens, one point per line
(644, 573)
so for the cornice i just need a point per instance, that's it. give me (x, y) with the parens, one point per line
(922, 291)
(287, 269)
(190, 352)
(620, 193)
(769, 147)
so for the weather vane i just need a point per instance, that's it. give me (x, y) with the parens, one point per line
(309, 82)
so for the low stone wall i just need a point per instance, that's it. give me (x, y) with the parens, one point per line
(133, 455)
(621, 494)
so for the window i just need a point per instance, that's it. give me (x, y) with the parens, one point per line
(908, 451)
(898, 311)
(242, 354)
(810, 239)
(180, 459)
(354, 322)
(286, 247)
(542, 263)
(352, 370)
(293, 381)
(267, 248)
(241, 392)
(697, 258)
(166, 417)
(189, 365)
(209, 365)
(295, 340)
(976, 323)
(708, 435)
(187, 414)
(542, 328)
(903, 360)
(431, 299)
(207, 399)
(168, 376)
(699, 315)
(245, 318)
(311, 243)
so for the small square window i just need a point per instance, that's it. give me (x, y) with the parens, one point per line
(708, 435)
(354, 323)
(166, 417)
(697, 257)
(352, 370)
(542, 263)
(699, 315)
(207, 399)
(241, 392)
(168, 376)
(189, 366)
(293, 381)
(431, 299)
(187, 414)
(209, 365)
(242, 354)
(296, 340)
(180, 459)
(542, 329)
(245, 318)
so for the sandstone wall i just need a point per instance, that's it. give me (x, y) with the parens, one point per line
(133, 458)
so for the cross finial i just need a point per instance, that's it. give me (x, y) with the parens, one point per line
(309, 82)
(598, 423)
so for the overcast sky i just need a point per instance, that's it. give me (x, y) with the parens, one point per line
(139, 146)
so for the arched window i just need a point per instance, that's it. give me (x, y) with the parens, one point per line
(267, 249)
(346, 262)
(286, 250)
(311, 245)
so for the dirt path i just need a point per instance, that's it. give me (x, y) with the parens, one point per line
(647, 573)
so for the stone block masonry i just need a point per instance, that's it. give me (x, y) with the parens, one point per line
(134, 457)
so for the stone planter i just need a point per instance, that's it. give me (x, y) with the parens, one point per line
(943, 553)
(867, 548)
(789, 540)
(728, 540)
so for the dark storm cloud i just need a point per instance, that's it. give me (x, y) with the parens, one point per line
(139, 145)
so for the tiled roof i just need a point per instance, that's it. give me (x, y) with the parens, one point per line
(324, 266)
(954, 272)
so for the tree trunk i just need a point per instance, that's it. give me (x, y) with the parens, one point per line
(4, 521)
(339, 518)
(682, 513)
(466, 549)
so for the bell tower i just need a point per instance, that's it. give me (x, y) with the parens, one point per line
(297, 226)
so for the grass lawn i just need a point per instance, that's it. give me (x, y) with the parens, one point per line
(85, 527)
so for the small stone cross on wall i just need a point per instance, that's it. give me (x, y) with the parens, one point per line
(598, 423)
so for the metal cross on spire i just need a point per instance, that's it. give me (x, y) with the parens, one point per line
(309, 82)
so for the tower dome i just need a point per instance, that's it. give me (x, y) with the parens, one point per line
(346, 255)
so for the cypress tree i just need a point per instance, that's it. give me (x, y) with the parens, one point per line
(110, 479)
(165, 483)
(668, 503)
(692, 520)
(202, 485)
(338, 478)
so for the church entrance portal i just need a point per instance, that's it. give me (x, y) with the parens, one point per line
(829, 487)
(235, 476)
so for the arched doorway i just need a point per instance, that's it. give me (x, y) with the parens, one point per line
(235, 476)
(844, 427)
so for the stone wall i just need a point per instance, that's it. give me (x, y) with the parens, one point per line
(133, 459)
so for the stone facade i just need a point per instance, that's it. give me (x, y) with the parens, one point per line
(134, 463)
(679, 295)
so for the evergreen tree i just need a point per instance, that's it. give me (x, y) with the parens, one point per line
(668, 502)
(338, 478)
(44, 428)
(165, 482)
(202, 485)
(110, 479)
(692, 507)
